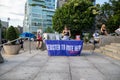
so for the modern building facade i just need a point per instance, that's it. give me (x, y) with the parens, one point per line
(20, 29)
(4, 24)
(38, 15)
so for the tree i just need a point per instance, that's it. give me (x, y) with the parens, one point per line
(0, 24)
(4, 33)
(11, 33)
(114, 21)
(49, 30)
(78, 15)
(109, 14)
(105, 13)
(17, 31)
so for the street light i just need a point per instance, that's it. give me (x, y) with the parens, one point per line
(8, 19)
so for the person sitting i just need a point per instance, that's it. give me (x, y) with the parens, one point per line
(66, 33)
(103, 30)
(96, 38)
(21, 42)
(117, 31)
(77, 37)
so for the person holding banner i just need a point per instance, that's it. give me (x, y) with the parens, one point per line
(66, 33)
(39, 41)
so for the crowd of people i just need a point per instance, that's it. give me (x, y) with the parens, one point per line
(66, 34)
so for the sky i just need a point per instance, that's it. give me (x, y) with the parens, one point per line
(14, 9)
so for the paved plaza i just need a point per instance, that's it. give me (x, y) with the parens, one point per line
(39, 66)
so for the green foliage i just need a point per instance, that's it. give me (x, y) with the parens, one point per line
(0, 24)
(49, 30)
(110, 14)
(11, 34)
(87, 37)
(17, 31)
(78, 15)
(114, 21)
(4, 33)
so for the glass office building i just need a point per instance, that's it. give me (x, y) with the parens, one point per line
(38, 14)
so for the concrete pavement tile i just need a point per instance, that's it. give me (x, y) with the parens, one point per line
(39, 58)
(98, 60)
(31, 63)
(18, 59)
(20, 73)
(108, 68)
(79, 64)
(7, 66)
(55, 67)
(77, 58)
(53, 76)
(112, 60)
(86, 74)
(112, 77)
(58, 59)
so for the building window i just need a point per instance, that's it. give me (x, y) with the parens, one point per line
(36, 24)
(48, 0)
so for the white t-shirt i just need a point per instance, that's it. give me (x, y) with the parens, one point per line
(118, 29)
(96, 36)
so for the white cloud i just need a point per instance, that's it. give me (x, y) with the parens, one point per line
(14, 9)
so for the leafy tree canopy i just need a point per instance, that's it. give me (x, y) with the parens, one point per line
(11, 33)
(0, 24)
(110, 14)
(49, 30)
(78, 15)
(17, 31)
(114, 21)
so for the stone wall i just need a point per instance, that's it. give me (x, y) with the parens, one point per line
(106, 40)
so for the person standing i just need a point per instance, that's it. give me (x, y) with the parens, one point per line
(66, 33)
(39, 40)
(21, 42)
(103, 30)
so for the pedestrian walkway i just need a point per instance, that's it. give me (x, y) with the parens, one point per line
(39, 66)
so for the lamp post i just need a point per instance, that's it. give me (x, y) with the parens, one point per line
(8, 19)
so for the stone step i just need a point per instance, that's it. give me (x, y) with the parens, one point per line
(111, 54)
(88, 47)
(116, 44)
(111, 50)
(102, 49)
(113, 47)
(97, 50)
